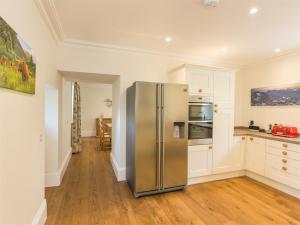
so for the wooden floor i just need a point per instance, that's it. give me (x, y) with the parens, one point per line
(90, 194)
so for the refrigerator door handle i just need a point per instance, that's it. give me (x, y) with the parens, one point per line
(162, 145)
(158, 136)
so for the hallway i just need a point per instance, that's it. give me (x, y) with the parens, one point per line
(90, 195)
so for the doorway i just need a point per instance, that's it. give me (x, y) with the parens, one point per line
(51, 115)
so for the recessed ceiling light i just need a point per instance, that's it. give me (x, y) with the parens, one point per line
(168, 39)
(253, 11)
(277, 50)
(224, 49)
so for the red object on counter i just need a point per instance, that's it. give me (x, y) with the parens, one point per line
(291, 132)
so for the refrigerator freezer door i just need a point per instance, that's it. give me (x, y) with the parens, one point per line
(146, 154)
(175, 135)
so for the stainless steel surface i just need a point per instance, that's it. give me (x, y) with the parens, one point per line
(200, 133)
(198, 99)
(162, 132)
(158, 135)
(200, 141)
(175, 149)
(159, 191)
(156, 138)
(145, 152)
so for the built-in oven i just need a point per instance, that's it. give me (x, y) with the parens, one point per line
(200, 108)
(200, 126)
(200, 133)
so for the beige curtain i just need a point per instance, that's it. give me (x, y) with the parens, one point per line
(76, 125)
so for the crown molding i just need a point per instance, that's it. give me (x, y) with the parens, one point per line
(49, 13)
(203, 61)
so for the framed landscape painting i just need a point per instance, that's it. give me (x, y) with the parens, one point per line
(17, 61)
(276, 96)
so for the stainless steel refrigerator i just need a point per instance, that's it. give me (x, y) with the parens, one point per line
(156, 137)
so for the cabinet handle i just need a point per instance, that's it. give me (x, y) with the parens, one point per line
(216, 111)
(251, 139)
(210, 147)
(284, 168)
(216, 105)
(200, 90)
(243, 138)
(284, 145)
(284, 153)
(284, 161)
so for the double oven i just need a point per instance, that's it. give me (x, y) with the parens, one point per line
(200, 125)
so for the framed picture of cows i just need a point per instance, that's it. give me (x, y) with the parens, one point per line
(17, 61)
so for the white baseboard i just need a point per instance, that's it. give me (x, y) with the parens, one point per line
(214, 177)
(274, 184)
(41, 215)
(54, 179)
(88, 133)
(119, 172)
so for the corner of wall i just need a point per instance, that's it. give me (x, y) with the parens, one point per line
(54, 179)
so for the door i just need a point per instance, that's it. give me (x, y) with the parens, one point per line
(222, 140)
(238, 151)
(256, 154)
(200, 81)
(200, 160)
(146, 153)
(175, 116)
(223, 88)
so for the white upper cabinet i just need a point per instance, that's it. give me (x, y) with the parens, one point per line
(200, 81)
(256, 155)
(223, 88)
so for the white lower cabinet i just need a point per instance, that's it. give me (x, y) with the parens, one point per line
(283, 163)
(256, 155)
(200, 160)
(238, 153)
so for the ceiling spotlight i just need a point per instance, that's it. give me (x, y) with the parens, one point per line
(253, 11)
(277, 50)
(224, 49)
(168, 39)
(211, 3)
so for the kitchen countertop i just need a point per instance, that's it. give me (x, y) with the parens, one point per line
(247, 132)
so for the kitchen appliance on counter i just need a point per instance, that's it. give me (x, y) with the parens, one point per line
(156, 137)
(285, 131)
(200, 127)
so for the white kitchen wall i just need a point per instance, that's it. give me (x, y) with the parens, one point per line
(93, 106)
(277, 72)
(22, 146)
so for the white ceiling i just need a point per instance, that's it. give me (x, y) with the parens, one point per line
(196, 31)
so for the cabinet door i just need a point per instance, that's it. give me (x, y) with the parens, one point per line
(238, 152)
(223, 88)
(200, 81)
(222, 140)
(256, 154)
(199, 160)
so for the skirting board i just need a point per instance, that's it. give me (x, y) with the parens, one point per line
(222, 176)
(54, 179)
(279, 186)
(41, 215)
(119, 172)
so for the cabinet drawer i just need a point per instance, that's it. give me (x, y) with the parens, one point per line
(283, 153)
(256, 140)
(200, 148)
(284, 145)
(286, 172)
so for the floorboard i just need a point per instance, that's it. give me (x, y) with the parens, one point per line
(90, 195)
